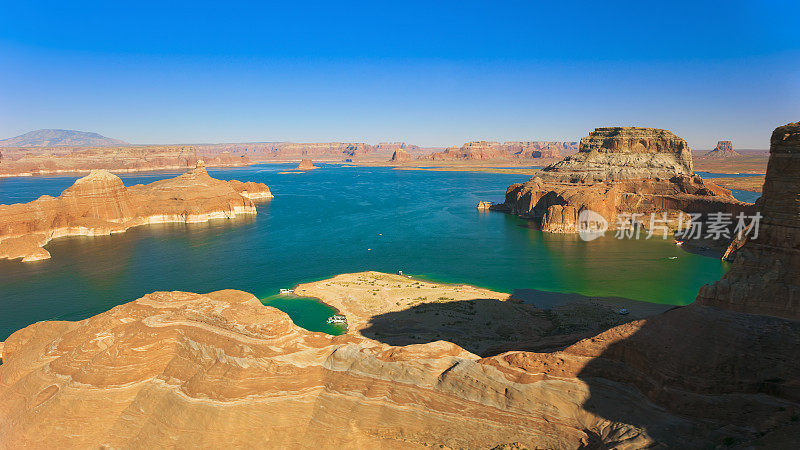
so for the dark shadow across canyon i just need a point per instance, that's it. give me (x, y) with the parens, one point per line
(532, 321)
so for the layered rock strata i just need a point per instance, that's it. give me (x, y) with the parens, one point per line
(166, 367)
(305, 164)
(220, 369)
(765, 277)
(724, 149)
(485, 150)
(627, 170)
(28, 161)
(401, 156)
(100, 204)
(624, 153)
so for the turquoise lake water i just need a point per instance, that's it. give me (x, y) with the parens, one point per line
(330, 221)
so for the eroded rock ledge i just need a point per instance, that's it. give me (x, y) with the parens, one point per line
(166, 367)
(100, 204)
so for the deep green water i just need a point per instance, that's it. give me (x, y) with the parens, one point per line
(330, 221)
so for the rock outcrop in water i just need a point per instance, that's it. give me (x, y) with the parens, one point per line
(100, 204)
(724, 149)
(622, 169)
(624, 153)
(765, 277)
(305, 164)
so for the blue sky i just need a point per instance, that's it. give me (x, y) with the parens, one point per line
(429, 73)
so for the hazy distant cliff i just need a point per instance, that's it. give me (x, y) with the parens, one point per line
(58, 138)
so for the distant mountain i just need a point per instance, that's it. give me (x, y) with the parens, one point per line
(60, 138)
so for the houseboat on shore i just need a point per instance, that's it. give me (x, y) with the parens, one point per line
(337, 319)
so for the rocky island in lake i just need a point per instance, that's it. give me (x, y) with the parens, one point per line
(617, 170)
(100, 204)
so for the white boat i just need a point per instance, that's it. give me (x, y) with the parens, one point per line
(337, 319)
(286, 291)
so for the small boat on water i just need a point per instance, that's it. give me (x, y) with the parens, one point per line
(286, 291)
(337, 319)
(623, 311)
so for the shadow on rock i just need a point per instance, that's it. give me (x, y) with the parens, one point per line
(488, 327)
(696, 377)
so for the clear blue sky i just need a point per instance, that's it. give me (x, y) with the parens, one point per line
(431, 73)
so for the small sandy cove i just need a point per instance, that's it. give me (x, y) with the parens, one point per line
(400, 310)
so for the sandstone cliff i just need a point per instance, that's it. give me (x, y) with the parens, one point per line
(114, 159)
(401, 156)
(484, 150)
(724, 149)
(100, 203)
(391, 147)
(622, 153)
(263, 151)
(631, 170)
(166, 367)
(765, 277)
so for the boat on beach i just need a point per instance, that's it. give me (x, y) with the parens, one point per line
(337, 319)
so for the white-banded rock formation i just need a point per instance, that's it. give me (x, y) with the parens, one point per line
(623, 169)
(624, 153)
(100, 204)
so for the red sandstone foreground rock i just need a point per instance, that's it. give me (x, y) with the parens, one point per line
(100, 204)
(221, 369)
(620, 169)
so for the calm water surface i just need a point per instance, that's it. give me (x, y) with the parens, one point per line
(330, 221)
